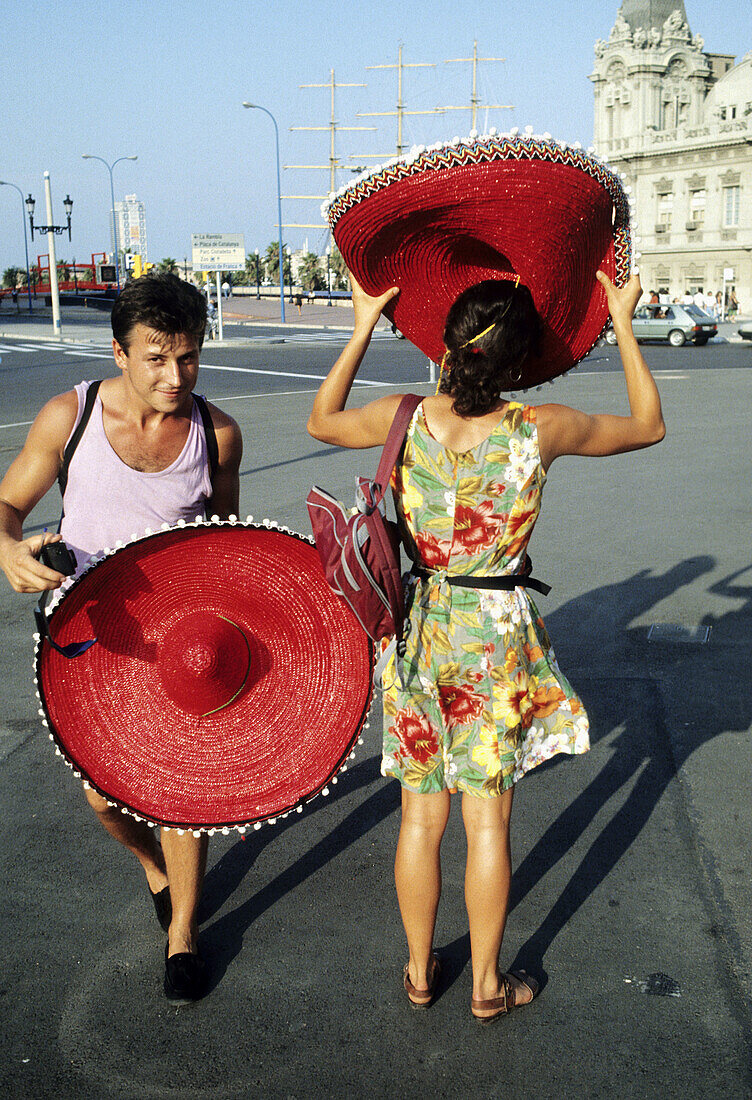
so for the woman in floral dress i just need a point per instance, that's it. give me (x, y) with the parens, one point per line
(478, 699)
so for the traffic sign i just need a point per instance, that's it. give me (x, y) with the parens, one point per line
(218, 251)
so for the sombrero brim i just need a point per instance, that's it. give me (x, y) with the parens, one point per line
(227, 686)
(448, 217)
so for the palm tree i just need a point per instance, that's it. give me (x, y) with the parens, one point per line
(339, 270)
(11, 276)
(271, 263)
(310, 274)
(168, 266)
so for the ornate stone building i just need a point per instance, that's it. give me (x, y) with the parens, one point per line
(677, 121)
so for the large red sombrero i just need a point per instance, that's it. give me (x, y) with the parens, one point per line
(444, 218)
(227, 685)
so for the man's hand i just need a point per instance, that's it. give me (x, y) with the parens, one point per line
(20, 563)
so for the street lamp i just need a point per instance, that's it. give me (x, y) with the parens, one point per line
(67, 203)
(257, 107)
(51, 231)
(109, 167)
(258, 288)
(328, 276)
(4, 183)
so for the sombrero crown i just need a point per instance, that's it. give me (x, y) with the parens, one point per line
(447, 217)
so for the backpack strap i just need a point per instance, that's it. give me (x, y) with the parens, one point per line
(394, 441)
(212, 448)
(75, 439)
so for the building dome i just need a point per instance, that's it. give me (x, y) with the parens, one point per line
(650, 14)
(730, 98)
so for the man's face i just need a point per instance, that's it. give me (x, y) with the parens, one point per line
(160, 369)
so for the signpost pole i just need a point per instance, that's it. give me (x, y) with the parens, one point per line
(217, 252)
(219, 306)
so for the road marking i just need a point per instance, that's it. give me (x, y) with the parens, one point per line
(291, 393)
(20, 424)
(670, 374)
(311, 337)
(88, 354)
(282, 374)
(23, 348)
(66, 348)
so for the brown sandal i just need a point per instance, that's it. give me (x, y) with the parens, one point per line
(507, 999)
(421, 998)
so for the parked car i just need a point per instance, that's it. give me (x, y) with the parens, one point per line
(675, 323)
(745, 331)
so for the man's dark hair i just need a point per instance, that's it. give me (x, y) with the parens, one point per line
(164, 303)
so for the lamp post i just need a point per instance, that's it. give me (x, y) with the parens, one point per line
(51, 231)
(256, 107)
(328, 276)
(109, 167)
(4, 183)
(258, 285)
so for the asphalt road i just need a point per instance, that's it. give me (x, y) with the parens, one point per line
(631, 899)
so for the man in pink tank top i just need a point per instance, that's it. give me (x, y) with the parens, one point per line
(144, 425)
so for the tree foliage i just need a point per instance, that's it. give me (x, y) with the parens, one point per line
(340, 280)
(271, 262)
(168, 266)
(310, 275)
(12, 275)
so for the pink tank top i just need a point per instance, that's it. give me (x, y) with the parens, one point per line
(107, 501)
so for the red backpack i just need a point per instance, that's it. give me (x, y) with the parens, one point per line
(360, 553)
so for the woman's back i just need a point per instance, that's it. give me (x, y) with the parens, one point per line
(468, 500)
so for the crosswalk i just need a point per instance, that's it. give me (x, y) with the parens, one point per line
(103, 350)
(323, 337)
(79, 351)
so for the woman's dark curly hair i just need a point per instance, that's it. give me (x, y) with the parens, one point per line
(477, 373)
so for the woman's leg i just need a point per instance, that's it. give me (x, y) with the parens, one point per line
(417, 874)
(487, 880)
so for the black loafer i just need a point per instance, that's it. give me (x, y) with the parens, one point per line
(185, 977)
(163, 907)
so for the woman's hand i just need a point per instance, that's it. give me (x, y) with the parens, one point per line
(368, 309)
(329, 420)
(564, 431)
(622, 301)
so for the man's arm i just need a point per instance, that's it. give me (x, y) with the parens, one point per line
(30, 476)
(225, 498)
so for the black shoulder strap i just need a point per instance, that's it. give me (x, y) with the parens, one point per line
(211, 436)
(75, 439)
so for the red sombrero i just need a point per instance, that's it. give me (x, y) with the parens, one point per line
(444, 218)
(227, 685)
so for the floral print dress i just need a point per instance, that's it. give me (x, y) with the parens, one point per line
(480, 698)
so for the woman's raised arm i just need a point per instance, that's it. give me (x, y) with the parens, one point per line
(329, 420)
(565, 431)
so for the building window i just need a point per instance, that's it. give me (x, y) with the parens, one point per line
(697, 206)
(665, 207)
(731, 205)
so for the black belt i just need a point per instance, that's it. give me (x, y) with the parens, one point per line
(506, 583)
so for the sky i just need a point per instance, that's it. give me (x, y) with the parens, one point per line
(165, 80)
